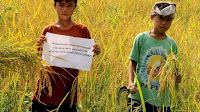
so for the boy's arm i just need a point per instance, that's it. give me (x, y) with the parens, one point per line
(40, 43)
(132, 70)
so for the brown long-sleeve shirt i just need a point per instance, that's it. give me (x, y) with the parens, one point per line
(63, 78)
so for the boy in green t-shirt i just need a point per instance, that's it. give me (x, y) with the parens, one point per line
(148, 52)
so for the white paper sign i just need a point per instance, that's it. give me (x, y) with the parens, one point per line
(68, 52)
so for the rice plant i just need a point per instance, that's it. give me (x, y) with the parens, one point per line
(113, 24)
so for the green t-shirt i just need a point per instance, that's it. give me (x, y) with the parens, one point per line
(149, 52)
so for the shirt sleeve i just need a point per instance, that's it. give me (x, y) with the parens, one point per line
(86, 33)
(44, 31)
(135, 52)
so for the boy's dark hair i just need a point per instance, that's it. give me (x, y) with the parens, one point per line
(162, 5)
(75, 1)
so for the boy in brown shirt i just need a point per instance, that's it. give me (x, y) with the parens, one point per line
(62, 79)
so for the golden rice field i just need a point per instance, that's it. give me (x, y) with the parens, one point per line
(113, 24)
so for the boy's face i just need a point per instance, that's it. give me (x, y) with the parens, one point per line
(161, 24)
(65, 9)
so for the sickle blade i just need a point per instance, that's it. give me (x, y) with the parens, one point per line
(121, 90)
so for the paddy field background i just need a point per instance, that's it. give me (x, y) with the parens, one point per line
(113, 24)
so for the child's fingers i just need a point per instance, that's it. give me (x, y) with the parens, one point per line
(45, 39)
(38, 44)
(96, 49)
(178, 81)
(96, 46)
(41, 40)
(178, 78)
(133, 90)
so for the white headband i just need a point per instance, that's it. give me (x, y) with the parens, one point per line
(166, 11)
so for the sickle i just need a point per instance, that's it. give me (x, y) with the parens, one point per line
(121, 90)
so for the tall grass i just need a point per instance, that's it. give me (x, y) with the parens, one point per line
(113, 24)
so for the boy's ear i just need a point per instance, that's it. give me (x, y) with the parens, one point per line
(54, 5)
(152, 17)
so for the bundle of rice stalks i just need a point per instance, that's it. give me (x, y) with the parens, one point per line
(13, 60)
(16, 61)
(167, 74)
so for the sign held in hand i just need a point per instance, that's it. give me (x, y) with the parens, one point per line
(68, 52)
